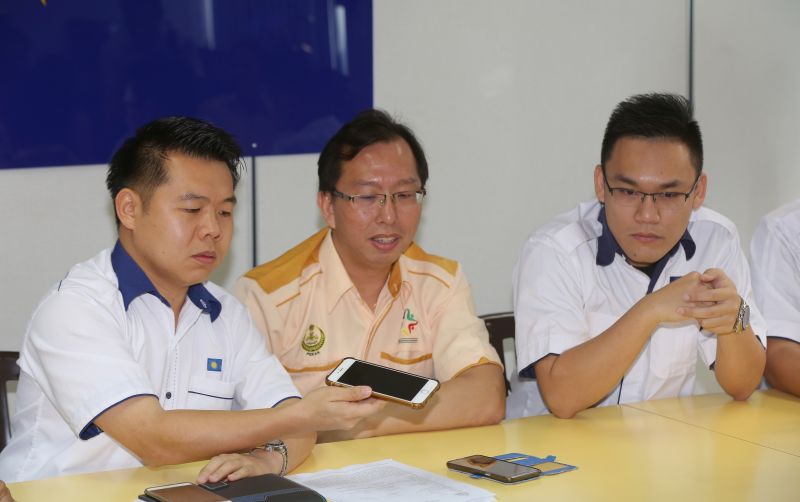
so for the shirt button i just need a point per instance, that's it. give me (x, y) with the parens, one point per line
(169, 395)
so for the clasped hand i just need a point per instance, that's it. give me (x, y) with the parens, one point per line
(709, 298)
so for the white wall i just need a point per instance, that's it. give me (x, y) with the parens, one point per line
(56, 217)
(510, 99)
(747, 89)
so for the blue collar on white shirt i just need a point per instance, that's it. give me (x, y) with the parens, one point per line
(607, 247)
(133, 282)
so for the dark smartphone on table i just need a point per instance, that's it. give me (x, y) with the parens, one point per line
(494, 469)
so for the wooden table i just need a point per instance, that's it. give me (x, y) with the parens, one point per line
(695, 448)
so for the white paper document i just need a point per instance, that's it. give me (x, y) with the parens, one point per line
(389, 480)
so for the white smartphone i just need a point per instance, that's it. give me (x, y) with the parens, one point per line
(387, 383)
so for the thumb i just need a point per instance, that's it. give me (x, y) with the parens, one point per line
(354, 393)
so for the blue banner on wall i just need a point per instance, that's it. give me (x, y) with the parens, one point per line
(80, 76)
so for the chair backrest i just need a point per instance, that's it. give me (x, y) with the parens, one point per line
(9, 372)
(500, 327)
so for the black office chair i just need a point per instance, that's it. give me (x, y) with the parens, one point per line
(500, 327)
(9, 372)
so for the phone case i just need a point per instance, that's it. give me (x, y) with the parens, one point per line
(256, 488)
(183, 493)
(475, 472)
(387, 397)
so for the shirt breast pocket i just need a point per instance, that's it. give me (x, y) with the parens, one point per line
(208, 394)
(673, 349)
(411, 362)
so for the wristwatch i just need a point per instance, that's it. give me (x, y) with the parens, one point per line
(278, 446)
(742, 318)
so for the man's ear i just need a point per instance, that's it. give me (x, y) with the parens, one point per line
(128, 205)
(700, 191)
(599, 183)
(325, 204)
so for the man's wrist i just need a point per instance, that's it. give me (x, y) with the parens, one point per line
(272, 460)
(646, 313)
(275, 450)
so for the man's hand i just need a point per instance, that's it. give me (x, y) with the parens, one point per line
(5, 494)
(233, 466)
(673, 302)
(716, 306)
(331, 408)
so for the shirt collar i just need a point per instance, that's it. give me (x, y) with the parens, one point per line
(338, 281)
(133, 282)
(608, 247)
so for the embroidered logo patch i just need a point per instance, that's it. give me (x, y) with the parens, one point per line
(408, 326)
(214, 364)
(313, 340)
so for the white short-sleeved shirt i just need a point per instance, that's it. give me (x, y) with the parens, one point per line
(775, 264)
(572, 282)
(103, 335)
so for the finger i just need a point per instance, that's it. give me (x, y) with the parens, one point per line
(227, 468)
(716, 277)
(720, 310)
(209, 468)
(351, 413)
(726, 295)
(358, 393)
(718, 325)
(220, 466)
(242, 472)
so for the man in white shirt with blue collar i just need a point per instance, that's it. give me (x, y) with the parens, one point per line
(775, 259)
(615, 299)
(135, 359)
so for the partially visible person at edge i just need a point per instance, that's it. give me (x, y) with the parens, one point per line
(134, 358)
(5, 494)
(615, 300)
(775, 265)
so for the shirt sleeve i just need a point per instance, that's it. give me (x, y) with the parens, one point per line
(262, 381)
(776, 276)
(548, 304)
(78, 353)
(262, 311)
(461, 339)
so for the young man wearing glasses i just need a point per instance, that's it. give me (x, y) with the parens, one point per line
(362, 288)
(615, 300)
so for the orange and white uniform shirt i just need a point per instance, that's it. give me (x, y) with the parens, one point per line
(424, 321)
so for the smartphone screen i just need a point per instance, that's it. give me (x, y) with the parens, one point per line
(386, 383)
(499, 470)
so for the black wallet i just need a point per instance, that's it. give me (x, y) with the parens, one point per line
(264, 488)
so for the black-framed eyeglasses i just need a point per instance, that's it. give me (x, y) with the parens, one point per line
(402, 200)
(666, 201)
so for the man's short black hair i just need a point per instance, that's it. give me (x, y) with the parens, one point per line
(367, 128)
(656, 116)
(139, 162)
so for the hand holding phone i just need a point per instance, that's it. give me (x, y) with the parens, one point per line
(494, 469)
(386, 383)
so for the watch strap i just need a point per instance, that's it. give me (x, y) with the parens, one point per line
(280, 447)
